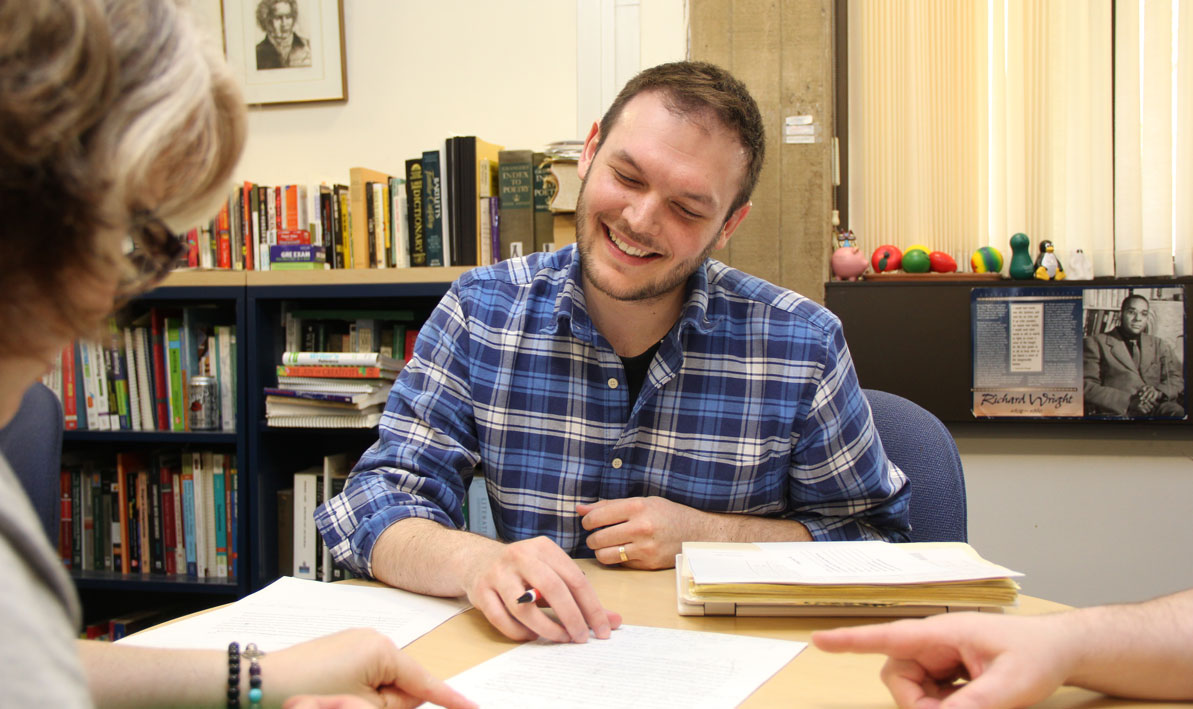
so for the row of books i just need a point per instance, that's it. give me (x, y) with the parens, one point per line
(118, 626)
(301, 551)
(138, 377)
(172, 513)
(467, 202)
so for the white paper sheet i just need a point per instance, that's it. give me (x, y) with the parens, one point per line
(637, 667)
(290, 611)
(837, 563)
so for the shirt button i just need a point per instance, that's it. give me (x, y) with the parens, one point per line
(612, 382)
(616, 463)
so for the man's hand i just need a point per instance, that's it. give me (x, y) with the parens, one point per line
(651, 529)
(1010, 662)
(497, 579)
(1144, 400)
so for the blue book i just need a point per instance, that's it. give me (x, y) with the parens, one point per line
(188, 521)
(433, 208)
(297, 253)
(220, 512)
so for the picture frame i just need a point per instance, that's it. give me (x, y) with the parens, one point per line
(286, 51)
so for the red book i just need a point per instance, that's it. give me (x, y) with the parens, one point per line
(192, 248)
(65, 525)
(411, 337)
(291, 208)
(169, 540)
(289, 237)
(70, 404)
(161, 394)
(223, 239)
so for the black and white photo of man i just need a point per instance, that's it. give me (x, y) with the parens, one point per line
(282, 47)
(1130, 372)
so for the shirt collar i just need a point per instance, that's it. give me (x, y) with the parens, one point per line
(570, 303)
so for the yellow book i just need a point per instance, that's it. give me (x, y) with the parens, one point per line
(358, 206)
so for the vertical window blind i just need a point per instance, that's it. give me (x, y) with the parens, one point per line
(1068, 120)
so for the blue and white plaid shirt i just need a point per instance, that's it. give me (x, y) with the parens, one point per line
(751, 406)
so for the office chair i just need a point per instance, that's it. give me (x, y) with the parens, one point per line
(923, 448)
(32, 444)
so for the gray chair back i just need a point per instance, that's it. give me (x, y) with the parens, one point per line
(32, 444)
(923, 448)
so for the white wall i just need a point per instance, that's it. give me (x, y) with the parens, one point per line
(503, 70)
(1089, 520)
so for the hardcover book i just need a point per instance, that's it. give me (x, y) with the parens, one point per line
(515, 178)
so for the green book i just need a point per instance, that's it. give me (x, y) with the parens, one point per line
(515, 182)
(174, 365)
(544, 192)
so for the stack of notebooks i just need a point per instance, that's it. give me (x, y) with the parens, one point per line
(839, 578)
(330, 390)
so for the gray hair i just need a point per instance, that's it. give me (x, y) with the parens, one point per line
(107, 107)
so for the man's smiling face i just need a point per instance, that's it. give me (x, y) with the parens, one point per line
(655, 199)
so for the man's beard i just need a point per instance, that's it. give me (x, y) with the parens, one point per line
(665, 284)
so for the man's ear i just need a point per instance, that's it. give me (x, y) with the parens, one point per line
(590, 149)
(731, 225)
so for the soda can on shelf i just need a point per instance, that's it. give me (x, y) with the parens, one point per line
(204, 408)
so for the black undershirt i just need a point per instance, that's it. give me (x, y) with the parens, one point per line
(635, 370)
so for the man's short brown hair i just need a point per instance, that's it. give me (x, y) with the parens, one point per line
(690, 88)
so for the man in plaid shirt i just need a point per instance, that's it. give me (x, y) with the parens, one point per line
(623, 395)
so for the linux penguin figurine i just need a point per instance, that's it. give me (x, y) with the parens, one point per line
(1048, 266)
(1021, 268)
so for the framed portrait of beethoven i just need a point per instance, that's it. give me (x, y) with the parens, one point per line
(287, 51)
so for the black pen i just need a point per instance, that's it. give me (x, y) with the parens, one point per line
(531, 595)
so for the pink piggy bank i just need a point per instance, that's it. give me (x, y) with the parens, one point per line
(848, 263)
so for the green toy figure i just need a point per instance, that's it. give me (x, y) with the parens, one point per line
(1048, 266)
(1022, 268)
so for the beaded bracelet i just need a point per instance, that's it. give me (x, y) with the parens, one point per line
(233, 675)
(252, 654)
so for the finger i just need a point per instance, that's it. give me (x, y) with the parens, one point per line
(613, 555)
(1003, 684)
(417, 682)
(609, 538)
(585, 605)
(605, 513)
(908, 683)
(546, 574)
(499, 616)
(885, 638)
(583, 508)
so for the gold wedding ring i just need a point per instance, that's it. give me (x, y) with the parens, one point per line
(624, 558)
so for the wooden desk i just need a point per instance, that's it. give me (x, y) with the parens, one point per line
(812, 679)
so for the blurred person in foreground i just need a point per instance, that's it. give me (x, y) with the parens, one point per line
(119, 125)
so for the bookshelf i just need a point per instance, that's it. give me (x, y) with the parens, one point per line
(275, 454)
(112, 593)
(266, 457)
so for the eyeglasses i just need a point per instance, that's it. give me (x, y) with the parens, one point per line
(150, 252)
